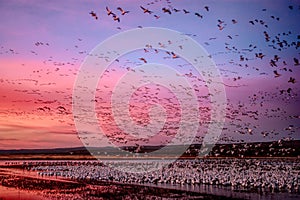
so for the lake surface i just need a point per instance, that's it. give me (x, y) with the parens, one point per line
(9, 193)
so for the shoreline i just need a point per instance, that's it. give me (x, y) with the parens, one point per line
(25, 158)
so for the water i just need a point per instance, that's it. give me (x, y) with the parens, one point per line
(228, 192)
(9, 193)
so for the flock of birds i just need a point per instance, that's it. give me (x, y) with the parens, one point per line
(109, 12)
(275, 175)
(242, 117)
(167, 10)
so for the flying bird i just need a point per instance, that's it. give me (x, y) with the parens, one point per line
(42, 109)
(276, 58)
(174, 55)
(61, 108)
(220, 21)
(273, 63)
(166, 10)
(146, 10)
(198, 15)
(156, 16)
(116, 18)
(296, 61)
(292, 80)
(123, 12)
(143, 59)
(185, 11)
(234, 21)
(259, 55)
(220, 27)
(109, 12)
(276, 73)
(93, 14)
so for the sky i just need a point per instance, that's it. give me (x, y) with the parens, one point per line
(43, 44)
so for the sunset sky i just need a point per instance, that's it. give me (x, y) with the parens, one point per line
(43, 44)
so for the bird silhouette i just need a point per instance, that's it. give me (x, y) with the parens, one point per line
(116, 18)
(145, 10)
(296, 62)
(234, 21)
(198, 15)
(276, 73)
(123, 12)
(143, 59)
(292, 80)
(156, 16)
(93, 14)
(109, 12)
(185, 11)
(166, 10)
